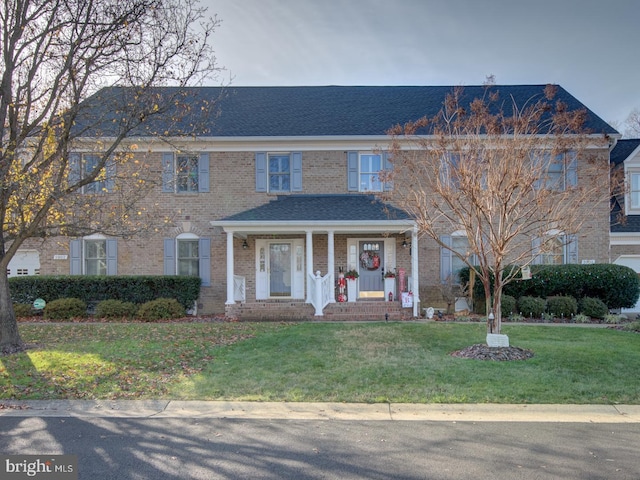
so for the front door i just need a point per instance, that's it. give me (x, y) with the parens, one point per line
(279, 269)
(371, 258)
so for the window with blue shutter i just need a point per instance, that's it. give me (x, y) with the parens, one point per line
(185, 172)
(81, 165)
(278, 172)
(93, 256)
(363, 171)
(188, 255)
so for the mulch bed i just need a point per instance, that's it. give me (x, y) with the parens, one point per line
(483, 352)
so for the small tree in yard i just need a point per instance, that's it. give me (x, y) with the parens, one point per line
(505, 175)
(56, 56)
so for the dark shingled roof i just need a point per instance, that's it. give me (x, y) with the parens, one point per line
(623, 149)
(301, 111)
(319, 208)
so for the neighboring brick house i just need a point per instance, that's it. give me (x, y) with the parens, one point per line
(625, 211)
(279, 187)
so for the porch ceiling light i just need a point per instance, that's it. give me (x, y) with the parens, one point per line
(245, 245)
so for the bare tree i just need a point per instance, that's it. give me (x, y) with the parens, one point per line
(57, 56)
(504, 174)
(633, 124)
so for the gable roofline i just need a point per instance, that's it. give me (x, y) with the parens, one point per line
(625, 148)
(314, 111)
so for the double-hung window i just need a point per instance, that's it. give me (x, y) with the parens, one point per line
(185, 172)
(555, 248)
(557, 172)
(82, 165)
(364, 170)
(188, 254)
(278, 172)
(94, 255)
(454, 248)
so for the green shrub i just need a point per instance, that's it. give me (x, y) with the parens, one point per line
(582, 318)
(507, 305)
(116, 309)
(531, 306)
(632, 327)
(593, 307)
(612, 318)
(65, 309)
(562, 306)
(22, 310)
(161, 309)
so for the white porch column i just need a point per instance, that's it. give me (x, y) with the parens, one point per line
(309, 249)
(415, 274)
(332, 263)
(230, 272)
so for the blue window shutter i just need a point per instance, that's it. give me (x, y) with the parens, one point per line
(572, 249)
(74, 168)
(112, 256)
(445, 258)
(296, 172)
(388, 166)
(536, 244)
(110, 181)
(203, 173)
(167, 172)
(204, 248)
(75, 253)
(572, 169)
(352, 172)
(169, 256)
(261, 172)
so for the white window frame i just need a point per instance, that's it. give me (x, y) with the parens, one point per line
(279, 174)
(369, 180)
(191, 238)
(102, 269)
(558, 179)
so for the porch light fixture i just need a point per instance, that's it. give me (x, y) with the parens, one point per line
(405, 244)
(245, 245)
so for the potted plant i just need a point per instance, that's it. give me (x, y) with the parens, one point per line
(389, 274)
(351, 275)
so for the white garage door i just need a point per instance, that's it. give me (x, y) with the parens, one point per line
(24, 262)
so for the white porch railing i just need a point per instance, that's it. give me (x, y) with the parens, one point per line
(239, 289)
(321, 291)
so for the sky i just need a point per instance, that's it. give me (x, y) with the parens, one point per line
(589, 47)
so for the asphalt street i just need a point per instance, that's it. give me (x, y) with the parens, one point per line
(221, 440)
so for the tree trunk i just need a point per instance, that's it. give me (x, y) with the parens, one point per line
(9, 335)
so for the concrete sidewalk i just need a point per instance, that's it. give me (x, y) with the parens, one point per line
(322, 411)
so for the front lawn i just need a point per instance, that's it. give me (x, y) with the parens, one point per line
(339, 362)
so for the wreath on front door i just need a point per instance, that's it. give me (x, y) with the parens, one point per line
(370, 260)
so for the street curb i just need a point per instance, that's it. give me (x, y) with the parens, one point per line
(322, 411)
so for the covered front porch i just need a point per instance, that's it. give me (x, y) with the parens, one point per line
(280, 265)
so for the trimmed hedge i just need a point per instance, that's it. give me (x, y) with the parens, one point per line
(593, 307)
(135, 289)
(65, 309)
(116, 309)
(616, 285)
(161, 309)
(562, 306)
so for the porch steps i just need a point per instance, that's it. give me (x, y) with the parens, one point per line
(366, 310)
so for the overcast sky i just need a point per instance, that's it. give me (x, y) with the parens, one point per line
(590, 47)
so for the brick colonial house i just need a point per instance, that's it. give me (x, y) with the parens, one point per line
(279, 187)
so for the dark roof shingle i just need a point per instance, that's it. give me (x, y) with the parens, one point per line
(306, 111)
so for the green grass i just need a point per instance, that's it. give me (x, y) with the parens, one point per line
(355, 362)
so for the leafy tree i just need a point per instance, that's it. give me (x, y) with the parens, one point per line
(57, 58)
(487, 168)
